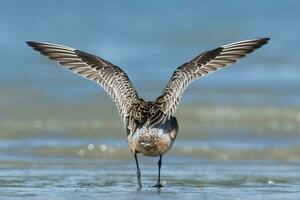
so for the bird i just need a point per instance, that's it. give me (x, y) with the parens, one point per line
(151, 126)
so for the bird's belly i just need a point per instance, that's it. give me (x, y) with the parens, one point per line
(150, 143)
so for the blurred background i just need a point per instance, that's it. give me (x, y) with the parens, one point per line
(52, 121)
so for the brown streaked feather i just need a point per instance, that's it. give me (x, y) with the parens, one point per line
(204, 64)
(113, 80)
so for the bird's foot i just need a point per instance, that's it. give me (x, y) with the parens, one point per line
(139, 181)
(139, 187)
(158, 185)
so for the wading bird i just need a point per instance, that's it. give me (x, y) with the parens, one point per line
(151, 126)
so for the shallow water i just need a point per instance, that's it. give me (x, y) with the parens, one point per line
(239, 129)
(63, 168)
(61, 178)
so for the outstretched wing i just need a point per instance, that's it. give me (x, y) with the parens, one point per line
(204, 64)
(113, 80)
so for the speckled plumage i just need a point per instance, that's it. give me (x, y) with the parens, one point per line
(153, 141)
(151, 126)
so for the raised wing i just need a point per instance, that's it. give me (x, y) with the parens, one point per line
(204, 64)
(113, 80)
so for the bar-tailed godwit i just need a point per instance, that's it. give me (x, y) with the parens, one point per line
(151, 126)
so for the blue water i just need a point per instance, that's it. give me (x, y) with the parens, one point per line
(239, 128)
(149, 40)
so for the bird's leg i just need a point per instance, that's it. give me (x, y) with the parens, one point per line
(158, 185)
(138, 172)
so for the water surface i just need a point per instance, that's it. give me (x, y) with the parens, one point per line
(239, 136)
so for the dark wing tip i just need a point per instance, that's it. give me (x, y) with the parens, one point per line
(36, 46)
(264, 41)
(31, 43)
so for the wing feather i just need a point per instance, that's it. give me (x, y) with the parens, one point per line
(204, 64)
(113, 80)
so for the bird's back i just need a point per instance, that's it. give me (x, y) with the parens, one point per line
(148, 139)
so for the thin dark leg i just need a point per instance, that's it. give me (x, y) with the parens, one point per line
(138, 172)
(158, 185)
